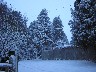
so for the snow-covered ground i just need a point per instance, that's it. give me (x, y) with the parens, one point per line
(56, 66)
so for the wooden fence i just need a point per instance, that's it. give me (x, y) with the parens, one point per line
(69, 54)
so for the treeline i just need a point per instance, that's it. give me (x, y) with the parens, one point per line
(47, 35)
(42, 34)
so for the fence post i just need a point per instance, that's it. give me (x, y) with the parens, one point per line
(12, 60)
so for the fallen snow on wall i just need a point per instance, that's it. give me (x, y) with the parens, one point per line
(56, 66)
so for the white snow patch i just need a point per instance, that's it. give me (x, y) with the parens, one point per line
(67, 45)
(56, 66)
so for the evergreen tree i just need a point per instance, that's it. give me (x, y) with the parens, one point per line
(58, 29)
(35, 35)
(13, 31)
(58, 33)
(41, 32)
(45, 30)
(84, 24)
(65, 40)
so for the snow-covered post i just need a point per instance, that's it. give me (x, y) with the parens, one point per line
(12, 60)
(16, 54)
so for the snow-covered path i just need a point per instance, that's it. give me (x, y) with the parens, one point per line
(56, 66)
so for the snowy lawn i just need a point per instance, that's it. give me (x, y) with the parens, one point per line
(56, 66)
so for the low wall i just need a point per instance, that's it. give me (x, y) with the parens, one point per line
(68, 53)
